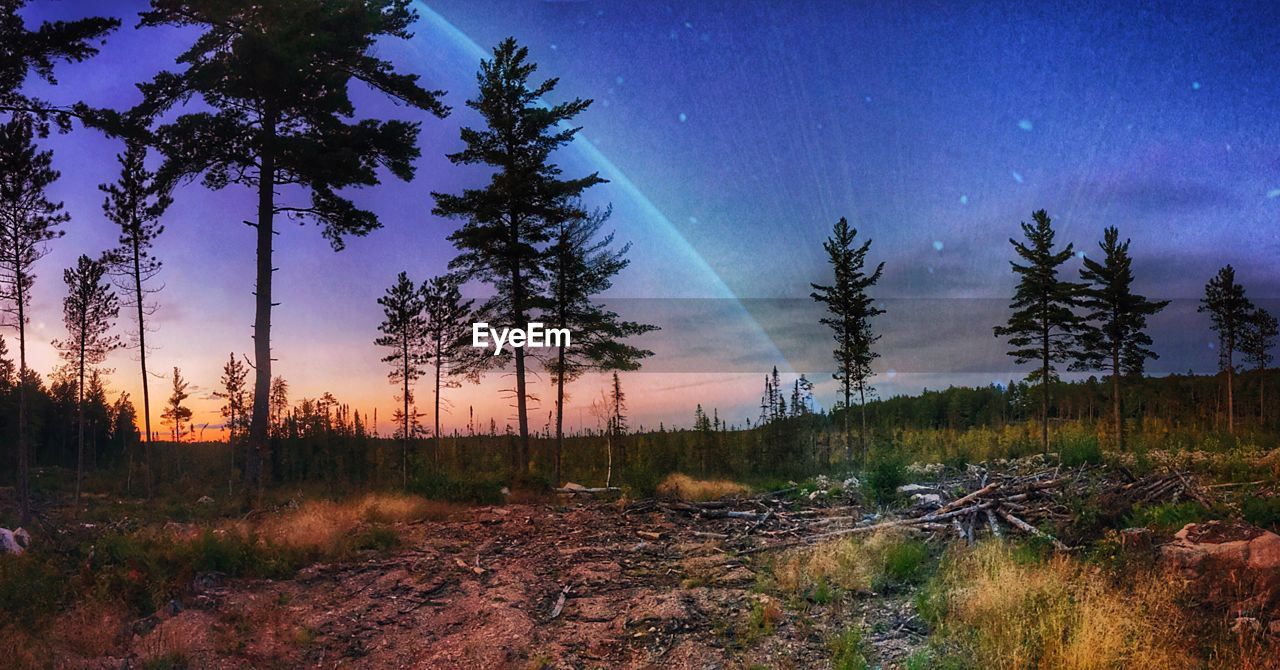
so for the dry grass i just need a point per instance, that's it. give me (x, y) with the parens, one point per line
(1014, 614)
(685, 487)
(91, 629)
(850, 564)
(324, 526)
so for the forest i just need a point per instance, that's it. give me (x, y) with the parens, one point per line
(833, 529)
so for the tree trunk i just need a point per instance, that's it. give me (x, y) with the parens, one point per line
(517, 316)
(559, 414)
(862, 429)
(404, 418)
(1231, 376)
(436, 431)
(24, 476)
(848, 393)
(1115, 397)
(142, 357)
(1044, 394)
(258, 447)
(80, 422)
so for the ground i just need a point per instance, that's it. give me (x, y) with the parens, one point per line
(480, 590)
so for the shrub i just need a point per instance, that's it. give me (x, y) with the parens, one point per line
(477, 489)
(1078, 449)
(883, 477)
(848, 651)
(685, 487)
(1168, 517)
(31, 587)
(1262, 512)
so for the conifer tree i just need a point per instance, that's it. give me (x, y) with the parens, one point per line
(24, 52)
(445, 347)
(266, 104)
(404, 333)
(28, 220)
(175, 412)
(89, 311)
(580, 266)
(850, 311)
(1043, 326)
(1259, 338)
(1116, 340)
(135, 203)
(1229, 311)
(234, 391)
(508, 222)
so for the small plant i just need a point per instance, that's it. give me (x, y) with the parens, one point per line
(1074, 450)
(820, 594)
(884, 475)
(761, 620)
(848, 651)
(1262, 512)
(1168, 517)
(904, 561)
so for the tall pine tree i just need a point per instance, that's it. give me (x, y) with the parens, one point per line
(850, 311)
(508, 222)
(1117, 340)
(1256, 345)
(580, 266)
(89, 311)
(24, 51)
(404, 333)
(445, 345)
(265, 89)
(1229, 311)
(28, 220)
(1044, 326)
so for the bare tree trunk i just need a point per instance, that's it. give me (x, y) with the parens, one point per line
(1231, 406)
(862, 429)
(1115, 397)
(848, 393)
(404, 418)
(142, 357)
(436, 432)
(24, 466)
(258, 447)
(560, 415)
(1044, 395)
(80, 423)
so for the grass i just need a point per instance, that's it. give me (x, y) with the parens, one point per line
(999, 610)
(685, 487)
(883, 476)
(848, 651)
(1168, 517)
(881, 562)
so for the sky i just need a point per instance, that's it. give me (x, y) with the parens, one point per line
(734, 135)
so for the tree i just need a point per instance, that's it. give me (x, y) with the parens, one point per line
(175, 413)
(28, 220)
(445, 347)
(1229, 312)
(135, 203)
(404, 332)
(269, 86)
(1117, 340)
(24, 51)
(89, 311)
(508, 222)
(850, 311)
(279, 405)
(1256, 344)
(580, 266)
(234, 391)
(1043, 325)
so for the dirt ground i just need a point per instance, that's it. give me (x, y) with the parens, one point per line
(642, 589)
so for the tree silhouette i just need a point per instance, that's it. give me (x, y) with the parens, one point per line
(1229, 312)
(279, 403)
(89, 311)
(445, 346)
(1116, 340)
(1043, 326)
(1256, 344)
(404, 332)
(268, 87)
(175, 413)
(28, 220)
(508, 222)
(234, 391)
(135, 203)
(580, 266)
(850, 311)
(24, 52)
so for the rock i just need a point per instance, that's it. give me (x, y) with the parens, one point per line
(927, 499)
(1228, 564)
(851, 483)
(205, 500)
(14, 541)
(914, 488)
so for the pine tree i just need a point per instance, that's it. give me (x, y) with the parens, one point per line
(28, 220)
(24, 52)
(278, 405)
(175, 412)
(234, 391)
(508, 223)
(1256, 344)
(580, 266)
(265, 89)
(1043, 326)
(135, 203)
(448, 323)
(1229, 312)
(1116, 340)
(404, 332)
(89, 311)
(850, 311)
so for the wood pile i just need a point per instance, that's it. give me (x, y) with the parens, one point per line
(976, 502)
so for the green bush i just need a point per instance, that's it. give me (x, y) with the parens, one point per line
(883, 477)
(441, 486)
(848, 651)
(1262, 512)
(1168, 517)
(1076, 450)
(31, 588)
(905, 562)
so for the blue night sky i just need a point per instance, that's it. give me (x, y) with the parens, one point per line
(734, 135)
